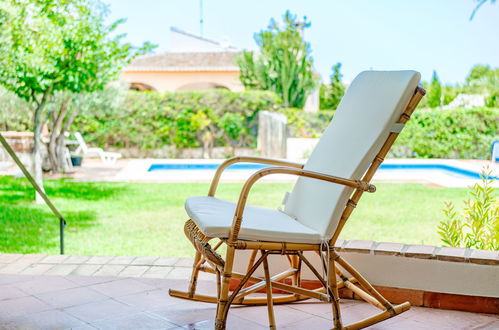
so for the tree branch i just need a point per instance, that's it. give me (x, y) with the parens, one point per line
(69, 121)
(480, 4)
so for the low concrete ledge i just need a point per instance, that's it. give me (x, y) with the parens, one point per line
(481, 257)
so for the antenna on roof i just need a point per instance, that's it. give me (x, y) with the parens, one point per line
(201, 21)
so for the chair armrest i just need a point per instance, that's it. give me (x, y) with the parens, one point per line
(243, 197)
(246, 159)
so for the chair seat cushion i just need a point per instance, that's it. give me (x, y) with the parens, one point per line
(214, 217)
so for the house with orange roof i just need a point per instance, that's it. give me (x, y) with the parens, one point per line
(192, 63)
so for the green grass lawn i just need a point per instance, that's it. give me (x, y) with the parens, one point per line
(147, 218)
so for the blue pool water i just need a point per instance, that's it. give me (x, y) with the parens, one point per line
(451, 170)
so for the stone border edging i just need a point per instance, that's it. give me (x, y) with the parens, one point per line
(121, 266)
(482, 257)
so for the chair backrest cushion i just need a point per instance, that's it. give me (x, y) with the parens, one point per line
(370, 107)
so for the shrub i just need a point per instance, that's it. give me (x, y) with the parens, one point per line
(13, 113)
(459, 133)
(232, 125)
(431, 133)
(149, 121)
(145, 121)
(492, 101)
(478, 225)
(307, 124)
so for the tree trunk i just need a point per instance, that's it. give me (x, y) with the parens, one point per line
(37, 157)
(207, 143)
(37, 171)
(56, 143)
(51, 144)
(60, 153)
(61, 145)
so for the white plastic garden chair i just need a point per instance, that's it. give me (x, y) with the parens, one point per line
(105, 156)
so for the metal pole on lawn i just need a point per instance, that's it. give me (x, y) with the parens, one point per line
(62, 222)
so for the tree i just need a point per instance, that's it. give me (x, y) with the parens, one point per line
(480, 3)
(284, 65)
(57, 46)
(449, 93)
(482, 79)
(330, 95)
(435, 92)
(478, 72)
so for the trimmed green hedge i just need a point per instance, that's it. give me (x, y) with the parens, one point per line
(458, 133)
(307, 124)
(431, 133)
(149, 120)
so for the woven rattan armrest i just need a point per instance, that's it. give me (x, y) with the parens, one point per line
(243, 197)
(247, 159)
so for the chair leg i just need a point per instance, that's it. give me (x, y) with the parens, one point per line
(219, 283)
(268, 286)
(371, 295)
(222, 304)
(333, 292)
(363, 282)
(251, 262)
(219, 288)
(194, 275)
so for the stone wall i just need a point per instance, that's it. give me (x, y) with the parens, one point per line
(272, 134)
(22, 144)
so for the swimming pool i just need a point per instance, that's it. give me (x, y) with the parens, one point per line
(442, 168)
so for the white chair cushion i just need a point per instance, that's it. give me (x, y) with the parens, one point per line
(367, 112)
(214, 217)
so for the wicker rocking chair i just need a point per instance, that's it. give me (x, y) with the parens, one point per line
(368, 120)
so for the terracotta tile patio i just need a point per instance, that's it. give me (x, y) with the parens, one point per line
(76, 292)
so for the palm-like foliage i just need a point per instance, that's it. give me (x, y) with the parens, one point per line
(284, 65)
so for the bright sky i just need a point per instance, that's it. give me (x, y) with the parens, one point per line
(423, 35)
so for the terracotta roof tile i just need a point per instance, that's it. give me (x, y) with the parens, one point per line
(202, 61)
